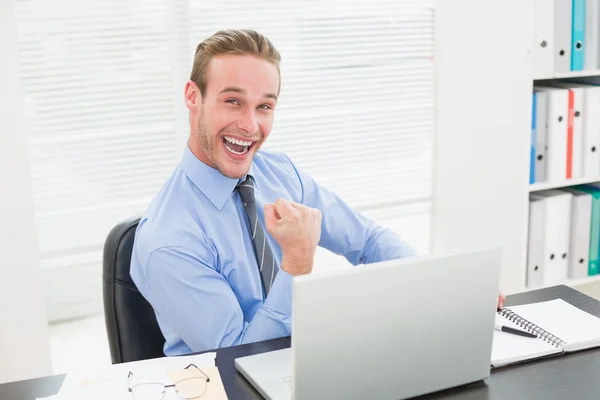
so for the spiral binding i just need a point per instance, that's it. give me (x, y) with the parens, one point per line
(531, 327)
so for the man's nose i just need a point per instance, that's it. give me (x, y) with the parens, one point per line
(248, 122)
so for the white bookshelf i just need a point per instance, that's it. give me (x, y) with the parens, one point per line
(582, 281)
(572, 74)
(540, 186)
(574, 282)
(483, 127)
(591, 76)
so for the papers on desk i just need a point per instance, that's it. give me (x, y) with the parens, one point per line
(96, 376)
(111, 382)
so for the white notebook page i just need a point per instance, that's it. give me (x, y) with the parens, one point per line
(508, 348)
(579, 329)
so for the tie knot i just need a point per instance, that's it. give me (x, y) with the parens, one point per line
(246, 190)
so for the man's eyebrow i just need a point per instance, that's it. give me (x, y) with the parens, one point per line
(233, 89)
(239, 90)
(271, 96)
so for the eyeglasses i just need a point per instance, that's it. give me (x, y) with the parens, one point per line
(188, 388)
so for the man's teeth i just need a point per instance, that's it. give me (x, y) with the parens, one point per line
(236, 141)
(237, 152)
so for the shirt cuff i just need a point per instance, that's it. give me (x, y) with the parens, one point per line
(280, 295)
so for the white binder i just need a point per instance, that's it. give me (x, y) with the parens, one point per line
(541, 144)
(562, 35)
(558, 107)
(557, 226)
(535, 244)
(591, 131)
(543, 39)
(581, 218)
(592, 35)
(578, 118)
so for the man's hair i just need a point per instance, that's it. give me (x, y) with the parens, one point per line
(243, 41)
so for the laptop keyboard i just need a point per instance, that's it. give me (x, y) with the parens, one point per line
(287, 380)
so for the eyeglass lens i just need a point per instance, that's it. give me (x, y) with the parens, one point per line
(191, 388)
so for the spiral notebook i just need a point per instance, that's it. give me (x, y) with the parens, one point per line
(559, 326)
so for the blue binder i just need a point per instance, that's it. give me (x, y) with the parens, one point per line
(533, 139)
(577, 35)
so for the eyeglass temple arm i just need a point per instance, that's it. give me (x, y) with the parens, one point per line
(189, 366)
(129, 380)
(194, 366)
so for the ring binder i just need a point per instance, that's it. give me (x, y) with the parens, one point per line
(531, 327)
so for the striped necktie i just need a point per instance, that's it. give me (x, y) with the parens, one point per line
(262, 250)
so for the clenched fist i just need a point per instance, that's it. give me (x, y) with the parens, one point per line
(297, 230)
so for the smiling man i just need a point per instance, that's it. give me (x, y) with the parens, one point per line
(217, 248)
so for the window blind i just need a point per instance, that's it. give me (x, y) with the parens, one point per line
(103, 87)
(356, 106)
(100, 101)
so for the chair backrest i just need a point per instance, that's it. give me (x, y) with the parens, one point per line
(133, 333)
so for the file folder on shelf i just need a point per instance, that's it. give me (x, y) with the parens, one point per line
(535, 243)
(591, 131)
(543, 42)
(575, 118)
(594, 254)
(541, 129)
(577, 35)
(557, 133)
(575, 133)
(532, 140)
(557, 224)
(579, 249)
(591, 51)
(562, 35)
(586, 128)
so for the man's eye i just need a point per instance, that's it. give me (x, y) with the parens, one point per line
(265, 107)
(232, 101)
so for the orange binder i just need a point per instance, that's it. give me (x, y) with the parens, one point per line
(570, 119)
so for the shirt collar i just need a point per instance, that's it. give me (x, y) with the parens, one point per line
(211, 182)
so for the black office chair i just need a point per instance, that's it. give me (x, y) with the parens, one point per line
(133, 333)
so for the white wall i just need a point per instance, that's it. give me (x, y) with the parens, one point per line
(483, 116)
(24, 348)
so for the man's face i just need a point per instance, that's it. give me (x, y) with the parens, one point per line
(235, 115)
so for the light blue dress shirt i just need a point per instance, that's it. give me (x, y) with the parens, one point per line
(194, 262)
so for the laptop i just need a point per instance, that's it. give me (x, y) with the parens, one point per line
(387, 330)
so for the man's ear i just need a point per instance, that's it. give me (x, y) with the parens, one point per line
(192, 96)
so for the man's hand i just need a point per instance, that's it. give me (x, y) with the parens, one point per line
(501, 300)
(297, 230)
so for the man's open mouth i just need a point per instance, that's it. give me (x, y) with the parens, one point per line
(237, 146)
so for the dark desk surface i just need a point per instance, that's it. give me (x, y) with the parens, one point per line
(572, 376)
